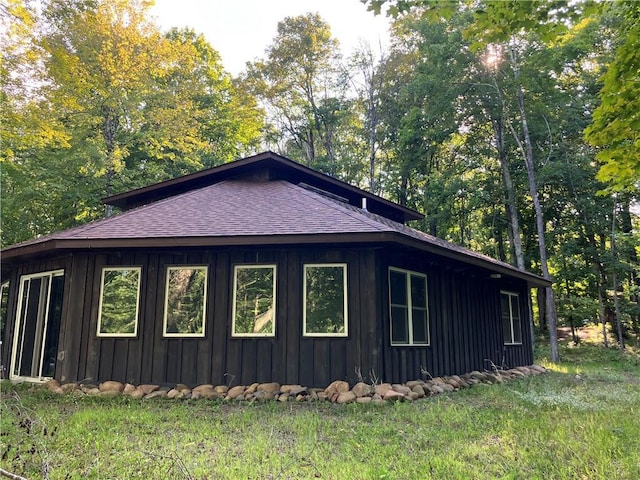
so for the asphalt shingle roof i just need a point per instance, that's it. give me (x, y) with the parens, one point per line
(244, 208)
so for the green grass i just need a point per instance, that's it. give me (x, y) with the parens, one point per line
(580, 421)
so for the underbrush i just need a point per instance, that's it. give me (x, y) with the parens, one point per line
(580, 420)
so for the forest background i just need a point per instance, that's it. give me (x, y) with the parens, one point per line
(514, 126)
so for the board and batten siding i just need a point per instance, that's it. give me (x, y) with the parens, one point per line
(465, 321)
(217, 357)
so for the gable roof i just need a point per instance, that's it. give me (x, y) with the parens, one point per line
(258, 212)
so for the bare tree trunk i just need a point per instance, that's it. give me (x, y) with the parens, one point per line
(527, 150)
(603, 317)
(616, 301)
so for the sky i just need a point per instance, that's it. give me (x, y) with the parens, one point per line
(241, 30)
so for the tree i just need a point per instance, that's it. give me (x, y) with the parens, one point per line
(300, 84)
(616, 121)
(116, 105)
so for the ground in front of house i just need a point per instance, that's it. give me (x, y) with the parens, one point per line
(580, 420)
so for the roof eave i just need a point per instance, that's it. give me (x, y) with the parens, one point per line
(290, 239)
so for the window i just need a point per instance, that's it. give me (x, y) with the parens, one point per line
(408, 307)
(4, 303)
(119, 298)
(185, 301)
(325, 300)
(511, 324)
(254, 301)
(35, 344)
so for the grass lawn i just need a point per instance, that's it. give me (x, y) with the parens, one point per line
(580, 421)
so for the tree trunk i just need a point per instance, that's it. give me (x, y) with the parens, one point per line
(533, 189)
(616, 301)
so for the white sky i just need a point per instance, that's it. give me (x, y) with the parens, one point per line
(241, 30)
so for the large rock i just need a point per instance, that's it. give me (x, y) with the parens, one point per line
(292, 389)
(137, 393)
(361, 389)
(148, 388)
(69, 387)
(382, 388)
(346, 397)
(419, 390)
(52, 384)
(128, 388)
(339, 386)
(235, 392)
(108, 393)
(156, 394)
(200, 388)
(263, 395)
(398, 387)
(111, 386)
(271, 387)
(221, 389)
(173, 393)
(393, 396)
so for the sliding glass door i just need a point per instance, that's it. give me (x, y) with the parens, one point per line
(35, 345)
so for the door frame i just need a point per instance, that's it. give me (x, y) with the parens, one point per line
(19, 326)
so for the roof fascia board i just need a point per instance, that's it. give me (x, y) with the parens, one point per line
(338, 239)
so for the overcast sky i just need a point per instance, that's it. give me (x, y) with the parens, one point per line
(241, 30)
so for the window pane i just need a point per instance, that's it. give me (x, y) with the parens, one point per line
(511, 324)
(185, 302)
(399, 326)
(420, 332)
(4, 302)
(398, 287)
(325, 299)
(254, 306)
(418, 291)
(516, 323)
(119, 301)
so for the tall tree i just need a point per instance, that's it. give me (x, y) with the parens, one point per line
(616, 121)
(122, 105)
(301, 85)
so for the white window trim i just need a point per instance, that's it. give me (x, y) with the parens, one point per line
(17, 328)
(274, 267)
(344, 306)
(135, 328)
(409, 306)
(510, 295)
(166, 301)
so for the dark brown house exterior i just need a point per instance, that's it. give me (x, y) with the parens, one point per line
(257, 270)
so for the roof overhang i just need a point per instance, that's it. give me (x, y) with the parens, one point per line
(63, 246)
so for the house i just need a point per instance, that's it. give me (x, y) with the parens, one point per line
(257, 270)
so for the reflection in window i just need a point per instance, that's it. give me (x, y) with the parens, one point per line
(185, 296)
(408, 304)
(254, 304)
(325, 300)
(4, 303)
(511, 324)
(119, 295)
